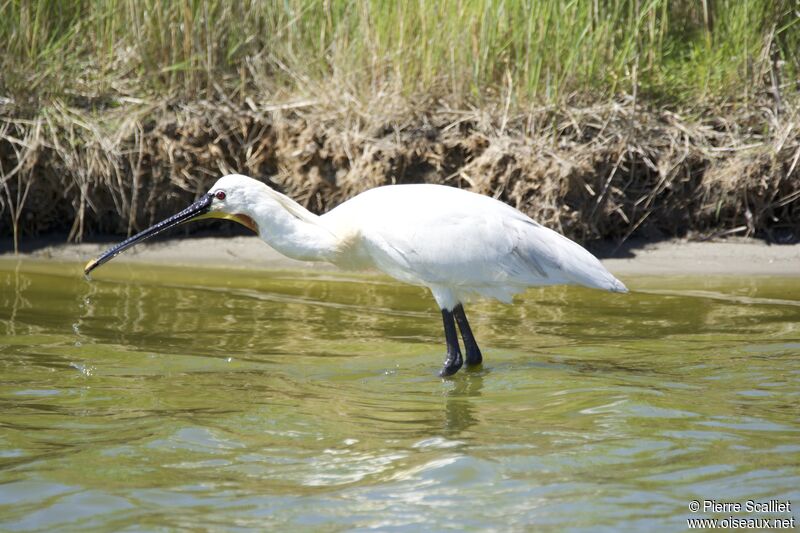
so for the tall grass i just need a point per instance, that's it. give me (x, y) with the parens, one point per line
(467, 51)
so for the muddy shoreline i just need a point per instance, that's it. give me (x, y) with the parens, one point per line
(616, 171)
(737, 256)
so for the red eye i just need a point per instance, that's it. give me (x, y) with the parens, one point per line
(220, 195)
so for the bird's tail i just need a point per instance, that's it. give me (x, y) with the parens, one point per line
(617, 285)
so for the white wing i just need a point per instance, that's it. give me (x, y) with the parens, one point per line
(441, 236)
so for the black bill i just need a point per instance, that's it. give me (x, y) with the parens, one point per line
(194, 211)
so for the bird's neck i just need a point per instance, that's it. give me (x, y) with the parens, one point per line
(293, 230)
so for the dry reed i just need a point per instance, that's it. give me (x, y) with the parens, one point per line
(602, 171)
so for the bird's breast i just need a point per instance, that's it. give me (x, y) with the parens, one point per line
(350, 253)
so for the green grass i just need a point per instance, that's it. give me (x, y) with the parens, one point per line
(469, 52)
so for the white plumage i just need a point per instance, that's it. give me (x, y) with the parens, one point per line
(460, 244)
(457, 243)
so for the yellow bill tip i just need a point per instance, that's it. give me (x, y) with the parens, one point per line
(89, 266)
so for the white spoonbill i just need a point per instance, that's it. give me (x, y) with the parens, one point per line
(457, 243)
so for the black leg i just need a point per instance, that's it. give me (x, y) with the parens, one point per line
(453, 361)
(474, 356)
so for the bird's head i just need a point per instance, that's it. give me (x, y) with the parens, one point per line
(232, 197)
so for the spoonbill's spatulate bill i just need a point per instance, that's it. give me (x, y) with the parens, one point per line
(457, 243)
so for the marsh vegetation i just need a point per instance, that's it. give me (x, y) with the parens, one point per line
(602, 119)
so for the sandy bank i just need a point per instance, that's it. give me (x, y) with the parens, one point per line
(741, 257)
(676, 257)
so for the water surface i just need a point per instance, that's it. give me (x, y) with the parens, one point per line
(161, 398)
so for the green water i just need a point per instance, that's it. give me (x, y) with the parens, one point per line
(165, 398)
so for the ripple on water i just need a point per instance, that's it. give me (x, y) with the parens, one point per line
(175, 399)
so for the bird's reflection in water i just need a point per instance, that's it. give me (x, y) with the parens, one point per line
(459, 406)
